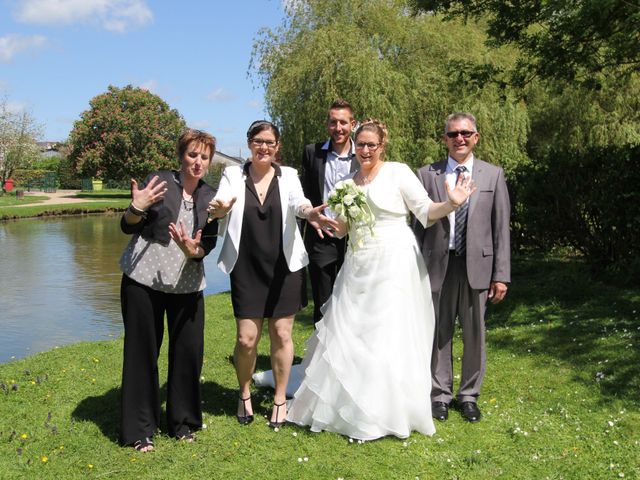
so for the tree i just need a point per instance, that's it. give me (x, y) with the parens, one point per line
(407, 71)
(128, 132)
(559, 39)
(18, 134)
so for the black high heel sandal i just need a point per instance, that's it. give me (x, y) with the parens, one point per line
(277, 424)
(244, 419)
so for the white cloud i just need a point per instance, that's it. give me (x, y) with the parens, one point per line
(220, 95)
(112, 15)
(12, 44)
(254, 104)
(150, 86)
(16, 107)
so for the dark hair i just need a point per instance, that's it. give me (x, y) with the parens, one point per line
(341, 104)
(192, 135)
(260, 125)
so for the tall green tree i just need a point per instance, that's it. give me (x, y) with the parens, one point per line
(409, 72)
(565, 40)
(127, 132)
(18, 134)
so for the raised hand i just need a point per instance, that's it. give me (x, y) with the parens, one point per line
(321, 223)
(219, 208)
(190, 246)
(463, 189)
(152, 193)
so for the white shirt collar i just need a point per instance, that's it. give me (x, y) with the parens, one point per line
(452, 164)
(327, 144)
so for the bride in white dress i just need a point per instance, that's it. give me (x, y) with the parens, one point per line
(367, 368)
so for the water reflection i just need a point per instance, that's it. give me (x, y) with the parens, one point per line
(60, 282)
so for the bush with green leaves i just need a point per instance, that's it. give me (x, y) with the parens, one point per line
(127, 132)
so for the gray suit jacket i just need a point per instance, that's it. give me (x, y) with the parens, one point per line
(488, 248)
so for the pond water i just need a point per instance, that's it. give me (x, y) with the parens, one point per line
(60, 282)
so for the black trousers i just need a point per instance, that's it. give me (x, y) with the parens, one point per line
(143, 311)
(323, 275)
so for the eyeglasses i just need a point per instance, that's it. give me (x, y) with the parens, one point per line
(258, 142)
(464, 133)
(371, 146)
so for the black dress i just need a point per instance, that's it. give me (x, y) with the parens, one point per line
(261, 284)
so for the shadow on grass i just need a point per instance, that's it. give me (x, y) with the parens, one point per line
(104, 411)
(581, 321)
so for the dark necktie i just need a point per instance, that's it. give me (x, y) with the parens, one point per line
(461, 219)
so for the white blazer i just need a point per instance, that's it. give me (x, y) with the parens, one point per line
(293, 201)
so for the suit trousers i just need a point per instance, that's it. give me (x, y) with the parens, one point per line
(323, 277)
(143, 312)
(456, 299)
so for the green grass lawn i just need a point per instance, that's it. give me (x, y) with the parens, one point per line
(10, 199)
(560, 401)
(100, 201)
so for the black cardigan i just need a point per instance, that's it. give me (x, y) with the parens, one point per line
(155, 228)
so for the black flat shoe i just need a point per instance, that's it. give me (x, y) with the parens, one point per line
(440, 411)
(470, 412)
(244, 419)
(277, 424)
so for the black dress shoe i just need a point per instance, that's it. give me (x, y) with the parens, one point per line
(470, 411)
(440, 411)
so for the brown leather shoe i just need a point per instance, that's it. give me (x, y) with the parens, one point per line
(470, 411)
(440, 410)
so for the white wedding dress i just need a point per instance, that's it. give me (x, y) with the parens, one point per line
(366, 372)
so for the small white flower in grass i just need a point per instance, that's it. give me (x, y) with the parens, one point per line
(306, 459)
(621, 475)
(294, 434)
(351, 440)
(610, 423)
(204, 425)
(299, 459)
(616, 443)
(404, 444)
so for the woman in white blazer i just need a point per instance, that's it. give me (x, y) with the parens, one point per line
(264, 253)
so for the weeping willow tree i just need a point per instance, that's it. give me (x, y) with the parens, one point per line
(408, 71)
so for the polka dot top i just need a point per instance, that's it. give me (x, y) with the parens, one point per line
(161, 268)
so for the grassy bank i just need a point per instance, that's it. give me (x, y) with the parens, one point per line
(560, 400)
(31, 206)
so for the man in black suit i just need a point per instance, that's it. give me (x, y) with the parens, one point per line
(323, 165)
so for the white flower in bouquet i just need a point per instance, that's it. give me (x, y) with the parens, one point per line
(349, 202)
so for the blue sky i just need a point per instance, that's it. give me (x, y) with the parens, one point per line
(55, 55)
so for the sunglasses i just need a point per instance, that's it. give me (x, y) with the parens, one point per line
(464, 133)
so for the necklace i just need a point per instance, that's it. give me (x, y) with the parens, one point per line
(187, 201)
(368, 178)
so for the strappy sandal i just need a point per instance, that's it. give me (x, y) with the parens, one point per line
(188, 437)
(244, 419)
(140, 445)
(277, 424)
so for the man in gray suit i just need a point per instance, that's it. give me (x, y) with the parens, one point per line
(469, 262)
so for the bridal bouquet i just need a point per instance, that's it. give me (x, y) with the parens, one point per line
(349, 202)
